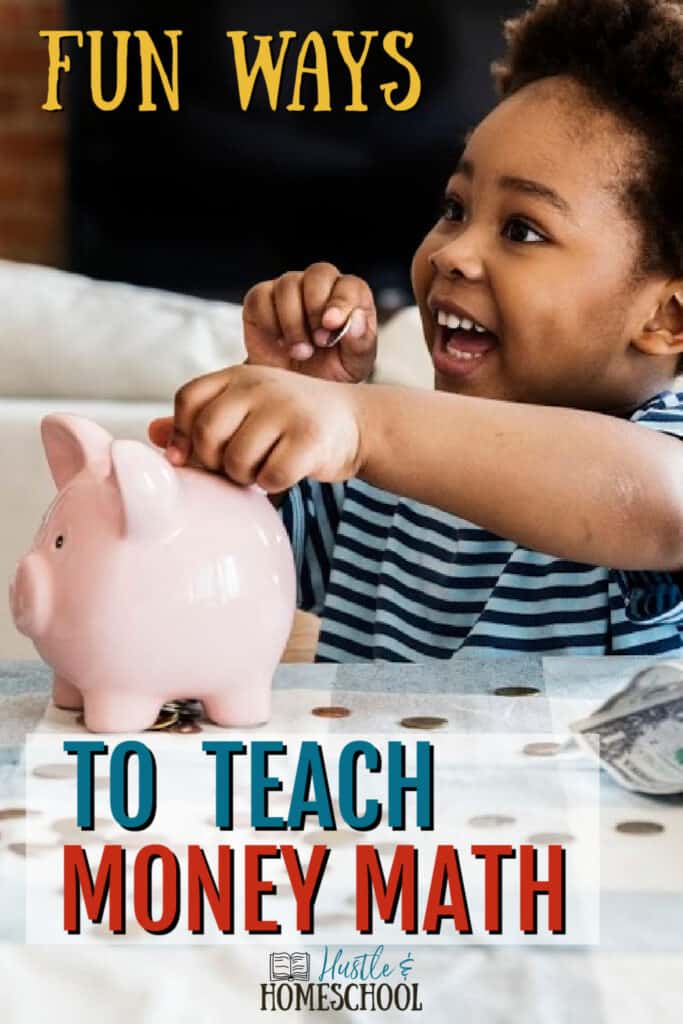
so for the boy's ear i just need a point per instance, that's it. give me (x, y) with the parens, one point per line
(662, 334)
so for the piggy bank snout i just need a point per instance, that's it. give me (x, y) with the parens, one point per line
(30, 596)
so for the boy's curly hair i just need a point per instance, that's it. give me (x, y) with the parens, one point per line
(628, 54)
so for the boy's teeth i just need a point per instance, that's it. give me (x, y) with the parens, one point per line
(455, 351)
(455, 323)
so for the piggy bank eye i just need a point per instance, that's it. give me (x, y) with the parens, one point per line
(60, 541)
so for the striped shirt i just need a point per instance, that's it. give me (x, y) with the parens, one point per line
(396, 580)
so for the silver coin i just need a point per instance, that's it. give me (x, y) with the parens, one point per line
(516, 691)
(542, 748)
(55, 771)
(491, 820)
(551, 838)
(639, 828)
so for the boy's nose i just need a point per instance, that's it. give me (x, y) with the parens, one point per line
(460, 257)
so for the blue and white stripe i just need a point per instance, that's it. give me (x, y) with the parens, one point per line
(396, 580)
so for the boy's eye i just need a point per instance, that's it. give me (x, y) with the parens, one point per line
(521, 228)
(451, 208)
(516, 229)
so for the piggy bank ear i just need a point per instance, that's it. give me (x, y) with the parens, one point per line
(148, 486)
(71, 443)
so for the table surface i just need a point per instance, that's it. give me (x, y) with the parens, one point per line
(637, 968)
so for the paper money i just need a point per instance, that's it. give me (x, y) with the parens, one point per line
(638, 733)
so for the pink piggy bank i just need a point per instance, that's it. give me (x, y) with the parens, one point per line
(148, 583)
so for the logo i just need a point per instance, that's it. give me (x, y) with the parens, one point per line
(355, 981)
(290, 966)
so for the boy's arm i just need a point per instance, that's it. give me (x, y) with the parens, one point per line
(579, 485)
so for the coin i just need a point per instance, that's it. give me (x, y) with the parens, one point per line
(423, 722)
(185, 726)
(639, 828)
(333, 711)
(541, 749)
(15, 812)
(185, 709)
(31, 849)
(516, 691)
(546, 838)
(55, 771)
(165, 719)
(491, 820)
(68, 828)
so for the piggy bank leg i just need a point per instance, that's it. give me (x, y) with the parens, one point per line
(65, 695)
(119, 711)
(239, 706)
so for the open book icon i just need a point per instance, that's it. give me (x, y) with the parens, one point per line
(286, 967)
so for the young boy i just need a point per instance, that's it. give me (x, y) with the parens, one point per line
(534, 500)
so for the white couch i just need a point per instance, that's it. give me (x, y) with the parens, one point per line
(117, 354)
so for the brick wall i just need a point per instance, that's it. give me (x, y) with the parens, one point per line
(32, 159)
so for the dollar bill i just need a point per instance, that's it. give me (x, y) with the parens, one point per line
(638, 732)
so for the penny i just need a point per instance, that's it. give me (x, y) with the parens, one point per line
(15, 812)
(185, 726)
(423, 722)
(55, 771)
(516, 691)
(639, 828)
(491, 820)
(548, 838)
(31, 849)
(541, 749)
(333, 711)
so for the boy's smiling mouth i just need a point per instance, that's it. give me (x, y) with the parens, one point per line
(461, 343)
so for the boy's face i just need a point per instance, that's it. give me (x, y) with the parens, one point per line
(542, 260)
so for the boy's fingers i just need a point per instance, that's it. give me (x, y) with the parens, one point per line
(349, 293)
(160, 430)
(188, 404)
(358, 347)
(317, 286)
(249, 447)
(286, 464)
(289, 307)
(215, 425)
(262, 336)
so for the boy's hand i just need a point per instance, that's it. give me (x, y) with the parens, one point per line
(289, 321)
(263, 425)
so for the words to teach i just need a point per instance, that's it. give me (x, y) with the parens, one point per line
(310, 791)
(308, 57)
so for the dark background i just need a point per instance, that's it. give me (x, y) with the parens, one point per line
(211, 199)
